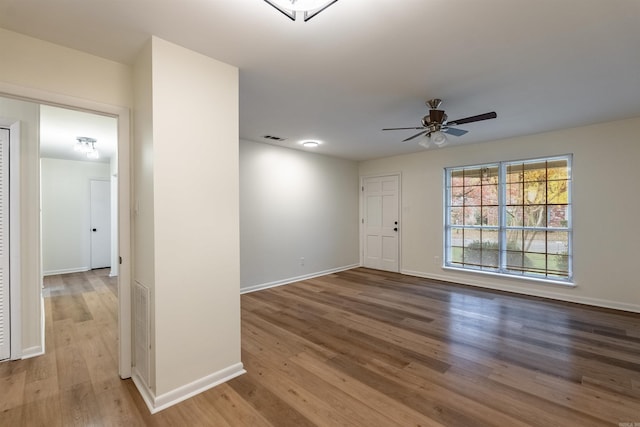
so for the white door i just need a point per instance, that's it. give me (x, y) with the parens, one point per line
(100, 224)
(5, 334)
(381, 222)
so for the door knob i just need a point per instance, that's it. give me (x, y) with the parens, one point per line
(395, 229)
(95, 229)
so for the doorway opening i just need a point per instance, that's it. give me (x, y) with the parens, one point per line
(32, 267)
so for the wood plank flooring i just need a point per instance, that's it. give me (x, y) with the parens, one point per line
(357, 348)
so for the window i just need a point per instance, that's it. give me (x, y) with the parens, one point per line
(510, 218)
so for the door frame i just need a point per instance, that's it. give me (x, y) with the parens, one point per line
(122, 114)
(361, 214)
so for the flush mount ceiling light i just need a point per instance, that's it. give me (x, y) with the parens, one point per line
(309, 143)
(290, 8)
(86, 146)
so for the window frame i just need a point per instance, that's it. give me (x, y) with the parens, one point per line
(503, 269)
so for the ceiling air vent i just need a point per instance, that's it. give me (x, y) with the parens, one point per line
(274, 138)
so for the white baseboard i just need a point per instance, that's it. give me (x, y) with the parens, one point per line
(616, 305)
(65, 271)
(30, 352)
(287, 281)
(163, 401)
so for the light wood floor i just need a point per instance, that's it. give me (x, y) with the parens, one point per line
(357, 348)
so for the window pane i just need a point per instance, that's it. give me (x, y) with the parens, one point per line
(535, 216)
(515, 261)
(473, 215)
(558, 265)
(514, 172)
(557, 169)
(558, 242)
(558, 216)
(535, 262)
(456, 216)
(535, 172)
(535, 193)
(456, 239)
(472, 247)
(472, 177)
(514, 216)
(514, 194)
(557, 191)
(491, 216)
(473, 195)
(490, 194)
(514, 240)
(457, 196)
(535, 241)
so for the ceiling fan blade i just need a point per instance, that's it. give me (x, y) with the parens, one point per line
(421, 127)
(415, 136)
(479, 117)
(455, 132)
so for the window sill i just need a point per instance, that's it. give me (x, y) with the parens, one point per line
(563, 283)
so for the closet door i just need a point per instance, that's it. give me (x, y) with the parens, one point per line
(5, 336)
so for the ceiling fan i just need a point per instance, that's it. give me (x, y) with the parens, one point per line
(435, 125)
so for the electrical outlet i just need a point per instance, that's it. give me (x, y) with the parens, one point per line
(301, 261)
(436, 260)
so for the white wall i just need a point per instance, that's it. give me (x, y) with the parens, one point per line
(187, 185)
(605, 208)
(66, 213)
(295, 205)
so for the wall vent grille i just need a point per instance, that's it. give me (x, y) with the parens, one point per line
(273, 138)
(141, 331)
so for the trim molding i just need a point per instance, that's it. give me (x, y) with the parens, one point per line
(30, 352)
(65, 271)
(158, 403)
(616, 305)
(276, 283)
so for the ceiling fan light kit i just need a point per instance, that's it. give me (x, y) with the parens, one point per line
(436, 126)
(309, 8)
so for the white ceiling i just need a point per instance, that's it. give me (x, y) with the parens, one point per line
(59, 128)
(362, 65)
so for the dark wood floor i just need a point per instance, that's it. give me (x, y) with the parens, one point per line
(357, 348)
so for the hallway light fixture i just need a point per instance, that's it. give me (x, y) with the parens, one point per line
(290, 8)
(86, 146)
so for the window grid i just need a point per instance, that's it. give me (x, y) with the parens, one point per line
(524, 229)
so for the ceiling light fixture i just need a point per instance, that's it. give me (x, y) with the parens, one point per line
(86, 146)
(290, 8)
(310, 143)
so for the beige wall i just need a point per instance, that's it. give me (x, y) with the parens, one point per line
(37, 64)
(605, 206)
(187, 184)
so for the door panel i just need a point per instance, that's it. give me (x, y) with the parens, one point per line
(100, 224)
(381, 222)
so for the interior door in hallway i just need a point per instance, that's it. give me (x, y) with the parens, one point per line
(100, 224)
(5, 335)
(381, 222)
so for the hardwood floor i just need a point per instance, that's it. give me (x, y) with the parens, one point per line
(357, 348)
